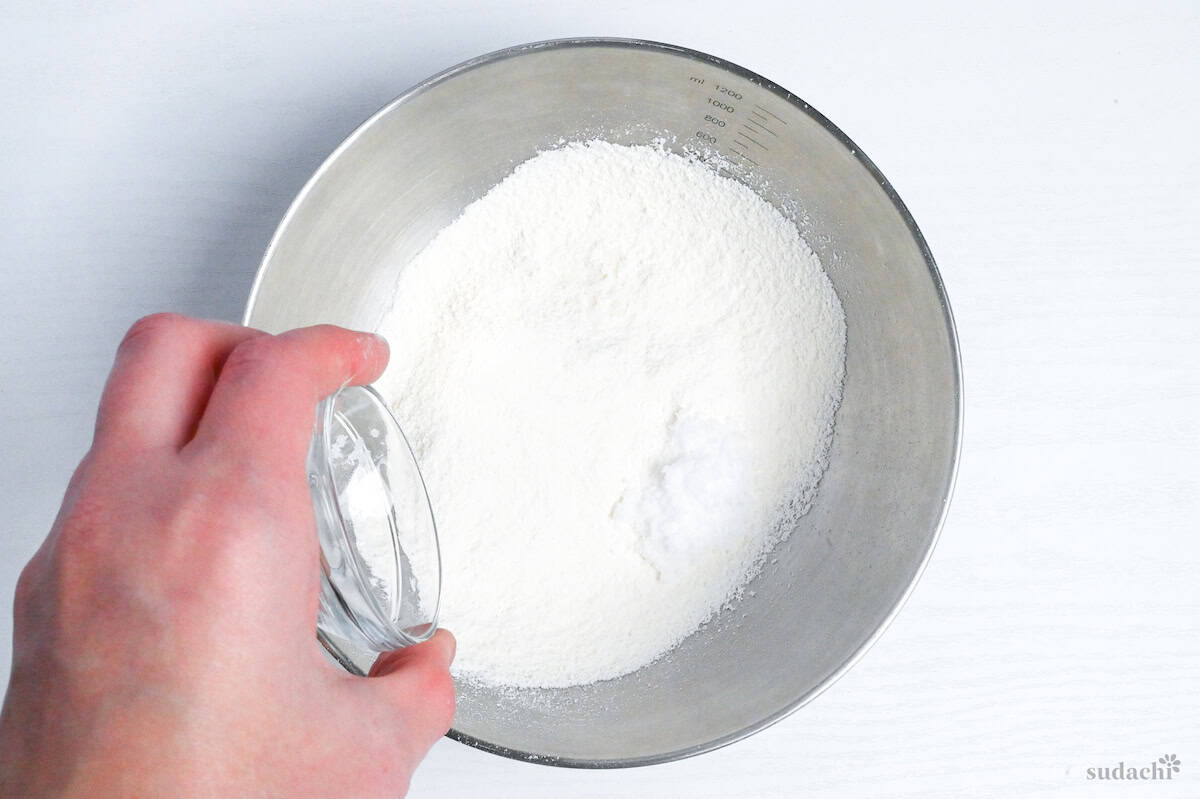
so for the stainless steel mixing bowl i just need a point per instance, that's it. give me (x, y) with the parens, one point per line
(832, 587)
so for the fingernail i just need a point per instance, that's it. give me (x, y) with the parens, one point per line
(374, 343)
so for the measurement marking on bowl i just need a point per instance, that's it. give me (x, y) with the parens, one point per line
(750, 138)
(761, 126)
(740, 153)
(765, 111)
(721, 107)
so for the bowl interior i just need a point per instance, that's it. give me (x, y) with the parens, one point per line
(836, 581)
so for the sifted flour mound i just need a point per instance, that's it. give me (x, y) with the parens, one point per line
(619, 371)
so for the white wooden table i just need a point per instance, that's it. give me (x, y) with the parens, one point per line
(1049, 154)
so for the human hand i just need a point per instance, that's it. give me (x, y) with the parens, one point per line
(164, 632)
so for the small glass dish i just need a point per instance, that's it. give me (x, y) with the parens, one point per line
(380, 564)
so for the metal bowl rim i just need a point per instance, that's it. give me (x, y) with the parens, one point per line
(935, 275)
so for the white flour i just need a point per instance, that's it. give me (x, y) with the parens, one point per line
(619, 371)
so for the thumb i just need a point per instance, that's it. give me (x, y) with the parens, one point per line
(416, 679)
(436, 653)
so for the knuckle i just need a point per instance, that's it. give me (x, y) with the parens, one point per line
(154, 327)
(251, 357)
(27, 585)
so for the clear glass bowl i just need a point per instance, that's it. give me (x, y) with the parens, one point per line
(380, 565)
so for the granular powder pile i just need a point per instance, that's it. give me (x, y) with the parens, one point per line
(619, 371)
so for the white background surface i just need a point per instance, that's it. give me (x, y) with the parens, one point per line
(1049, 156)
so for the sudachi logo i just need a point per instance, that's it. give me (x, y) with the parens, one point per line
(1165, 768)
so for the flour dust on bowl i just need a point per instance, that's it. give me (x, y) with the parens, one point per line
(368, 217)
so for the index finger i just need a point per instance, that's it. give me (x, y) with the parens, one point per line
(268, 389)
(164, 372)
